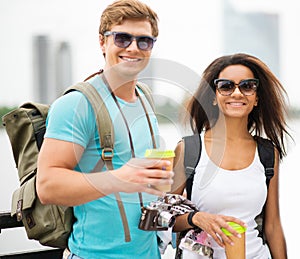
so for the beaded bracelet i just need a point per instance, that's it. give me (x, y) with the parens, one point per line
(190, 217)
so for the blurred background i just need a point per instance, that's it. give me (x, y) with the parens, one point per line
(47, 45)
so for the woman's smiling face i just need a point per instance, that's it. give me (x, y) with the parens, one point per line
(236, 104)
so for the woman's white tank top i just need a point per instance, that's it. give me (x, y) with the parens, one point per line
(239, 193)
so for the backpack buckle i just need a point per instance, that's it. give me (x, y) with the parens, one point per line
(107, 153)
(19, 210)
(189, 171)
(269, 172)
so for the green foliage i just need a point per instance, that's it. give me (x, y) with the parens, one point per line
(3, 111)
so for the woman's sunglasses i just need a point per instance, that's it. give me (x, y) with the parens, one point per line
(227, 87)
(123, 40)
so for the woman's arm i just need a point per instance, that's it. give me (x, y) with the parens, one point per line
(179, 178)
(210, 223)
(273, 228)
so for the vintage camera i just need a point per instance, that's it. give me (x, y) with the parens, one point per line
(157, 216)
(161, 214)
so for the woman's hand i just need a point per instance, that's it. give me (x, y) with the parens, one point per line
(212, 224)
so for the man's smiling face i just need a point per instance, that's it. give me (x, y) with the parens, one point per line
(131, 60)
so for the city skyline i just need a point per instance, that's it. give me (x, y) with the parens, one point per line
(190, 35)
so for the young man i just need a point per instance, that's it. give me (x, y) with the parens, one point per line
(71, 148)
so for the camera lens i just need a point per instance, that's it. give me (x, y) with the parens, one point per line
(166, 219)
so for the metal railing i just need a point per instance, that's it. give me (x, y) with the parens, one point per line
(8, 222)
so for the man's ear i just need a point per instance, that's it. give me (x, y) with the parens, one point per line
(102, 43)
(215, 101)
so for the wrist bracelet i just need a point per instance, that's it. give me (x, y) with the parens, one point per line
(190, 217)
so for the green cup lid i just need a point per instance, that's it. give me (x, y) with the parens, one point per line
(240, 229)
(157, 153)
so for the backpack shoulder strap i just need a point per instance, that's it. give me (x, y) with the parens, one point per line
(147, 92)
(266, 156)
(38, 116)
(106, 132)
(192, 153)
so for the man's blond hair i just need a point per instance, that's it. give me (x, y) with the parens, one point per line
(121, 10)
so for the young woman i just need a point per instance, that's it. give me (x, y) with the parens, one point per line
(238, 98)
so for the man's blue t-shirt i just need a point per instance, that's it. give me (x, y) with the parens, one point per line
(98, 231)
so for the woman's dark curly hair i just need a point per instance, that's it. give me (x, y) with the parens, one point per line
(268, 117)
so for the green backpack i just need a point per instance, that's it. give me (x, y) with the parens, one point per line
(51, 225)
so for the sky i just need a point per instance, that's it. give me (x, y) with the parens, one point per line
(190, 35)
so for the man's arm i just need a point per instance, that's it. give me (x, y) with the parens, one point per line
(58, 183)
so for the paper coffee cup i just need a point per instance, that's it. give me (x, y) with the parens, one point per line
(165, 155)
(238, 250)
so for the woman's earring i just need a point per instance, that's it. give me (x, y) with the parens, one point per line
(214, 102)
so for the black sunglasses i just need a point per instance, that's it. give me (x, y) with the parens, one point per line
(227, 87)
(123, 40)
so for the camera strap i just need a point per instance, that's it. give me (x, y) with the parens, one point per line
(108, 161)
